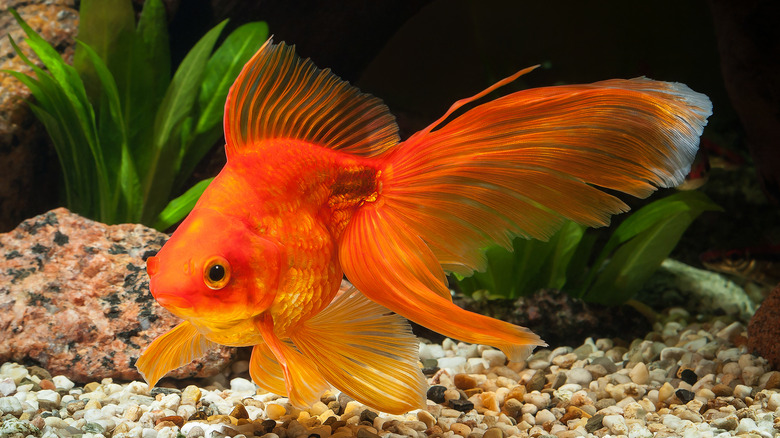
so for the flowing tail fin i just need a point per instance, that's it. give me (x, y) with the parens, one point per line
(516, 166)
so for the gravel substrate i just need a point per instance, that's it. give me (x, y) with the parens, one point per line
(686, 378)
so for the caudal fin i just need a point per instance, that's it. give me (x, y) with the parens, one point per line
(521, 164)
(516, 166)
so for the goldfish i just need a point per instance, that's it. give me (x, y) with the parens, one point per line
(318, 186)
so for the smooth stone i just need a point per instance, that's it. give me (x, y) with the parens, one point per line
(606, 362)
(494, 357)
(579, 376)
(639, 374)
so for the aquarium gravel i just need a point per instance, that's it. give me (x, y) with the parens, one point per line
(686, 378)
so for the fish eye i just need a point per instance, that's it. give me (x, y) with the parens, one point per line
(216, 273)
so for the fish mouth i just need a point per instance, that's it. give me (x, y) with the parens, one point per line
(172, 301)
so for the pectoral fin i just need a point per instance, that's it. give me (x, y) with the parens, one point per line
(176, 348)
(266, 371)
(303, 382)
(365, 351)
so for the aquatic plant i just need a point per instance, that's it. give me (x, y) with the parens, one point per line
(629, 257)
(127, 134)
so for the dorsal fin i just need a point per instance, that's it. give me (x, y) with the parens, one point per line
(280, 95)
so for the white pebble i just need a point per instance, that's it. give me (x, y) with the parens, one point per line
(14, 371)
(616, 424)
(50, 396)
(7, 386)
(746, 425)
(742, 391)
(240, 384)
(579, 376)
(456, 364)
(430, 351)
(494, 358)
(774, 402)
(10, 405)
(62, 382)
(544, 416)
(538, 399)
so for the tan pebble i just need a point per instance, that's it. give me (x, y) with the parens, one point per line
(639, 374)
(275, 411)
(493, 432)
(239, 411)
(93, 404)
(512, 407)
(133, 413)
(318, 408)
(721, 390)
(426, 418)
(219, 419)
(451, 394)
(450, 413)
(489, 401)
(123, 427)
(175, 419)
(770, 380)
(565, 360)
(249, 401)
(516, 392)
(573, 413)
(464, 381)
(460, 429)
(191, 395)
(665, 391)
(91, 386)
(473, 391)
(163, 424)
(524, 425)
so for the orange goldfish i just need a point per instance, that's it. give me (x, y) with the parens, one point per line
(318, 185)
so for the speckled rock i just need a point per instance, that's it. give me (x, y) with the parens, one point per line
(74, 297)
(29, 164)
(764, 329)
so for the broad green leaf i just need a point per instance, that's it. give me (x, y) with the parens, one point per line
(647, 217)
(178, 208)
(633, 263)
(163, 164)
(106, 26)
(646, 238)
(150, 74)
(565, 243)
(221, 71)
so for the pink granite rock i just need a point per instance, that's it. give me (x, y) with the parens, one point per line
(74, 297)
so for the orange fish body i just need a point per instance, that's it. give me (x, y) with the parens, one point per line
(317, 186)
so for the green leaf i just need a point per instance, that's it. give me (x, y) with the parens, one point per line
(178, 208)
(565, 244)
(221, 71)
(164, 161)
(106, 26)
(643, 241)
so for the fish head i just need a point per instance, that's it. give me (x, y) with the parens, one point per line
(215, 271)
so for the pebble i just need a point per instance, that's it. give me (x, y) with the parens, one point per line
(694, 383)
